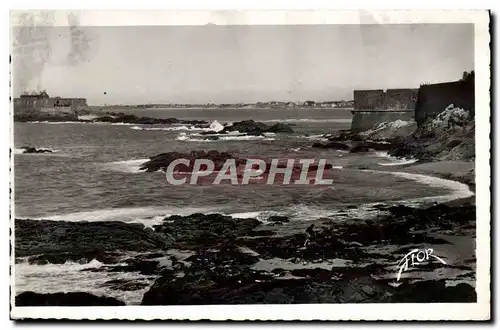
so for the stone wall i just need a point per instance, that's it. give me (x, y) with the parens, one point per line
(373, 107)
(433, 99)
(400, 99)
(391, 99)
(47, 104)
(365, 120)
(369, 99)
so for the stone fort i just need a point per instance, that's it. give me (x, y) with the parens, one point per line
(43, 103)
(372, 107)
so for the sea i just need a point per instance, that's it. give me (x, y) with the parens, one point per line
(93, 175)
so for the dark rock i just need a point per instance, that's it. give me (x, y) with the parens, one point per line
(205, 229)
(125, 285)
(29, 298)
(249, 287)
(110, 117)
(145, 267)
(278, 218)
(33, 150)
(257, 128)
(434, 291)
(119, 117)
(366, 146)
(57, 241)
(332, 145)
(161, 161)
(30, 117)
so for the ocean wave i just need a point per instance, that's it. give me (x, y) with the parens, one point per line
(148, 216)
(125, 166)
(170, 128)
(457, 190)
(395, 161)
(309, 120)
(222, 137)
(53, 278)
(21, 151)
(87, 117)
(215, 126)
(56, 122)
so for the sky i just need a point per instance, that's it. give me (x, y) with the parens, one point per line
(231, 64)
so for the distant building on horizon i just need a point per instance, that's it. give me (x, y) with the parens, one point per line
(41, 102)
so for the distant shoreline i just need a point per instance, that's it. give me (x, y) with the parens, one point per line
(131, 107)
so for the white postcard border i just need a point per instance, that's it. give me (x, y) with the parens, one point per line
(441, 311)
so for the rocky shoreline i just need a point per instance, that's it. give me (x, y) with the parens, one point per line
(232, 261)
(111, 117)
(218, 259)
(448, 136)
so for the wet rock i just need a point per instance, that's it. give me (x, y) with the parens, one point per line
(125, 285)
(82, 257)
(119, 117)
(33, 150)
(58, 241)
(332, 145)
(257, 128)
(30, 117)
(250, 287)
(205, 229)
(144, 267)
(278, 218)
(433, 291)
(29, 298)
(366, 146)
(229, 255)
(161, 161)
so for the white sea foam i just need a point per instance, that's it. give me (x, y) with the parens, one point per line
(395, 161)
(125, 166)
(21, 151)
(148, 216)
(170, 128)
(222, 137)
(53, 278)
(215, 126)
(309, 120)
(402, 161)
(87, 117)
(456, 189)
(56, 122)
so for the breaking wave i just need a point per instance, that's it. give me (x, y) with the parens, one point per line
(457, 190)
(221, 137)
(148, 216)
(215, 126)
(394, 160)
(309, 120)
(53, 278)
(125, 166)
(21, 151)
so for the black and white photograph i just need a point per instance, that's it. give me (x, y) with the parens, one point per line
(217, 161)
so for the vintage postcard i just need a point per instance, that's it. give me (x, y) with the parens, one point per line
(250, 165)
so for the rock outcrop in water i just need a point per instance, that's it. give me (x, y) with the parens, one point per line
(111, 117)
(224, 260)
(225, 271)
(57, 242)
(160, 162)
(118, 117)
(29, 298)
(257, 128)
(33, 150)
(41, 117)
(448, 136)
